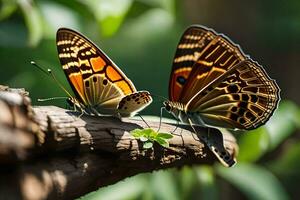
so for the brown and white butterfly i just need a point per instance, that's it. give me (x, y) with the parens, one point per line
(214, 84)
(100, 87)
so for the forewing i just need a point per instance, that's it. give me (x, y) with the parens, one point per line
(244, 98)
(218, 54)
(94, 78)
(192, 43)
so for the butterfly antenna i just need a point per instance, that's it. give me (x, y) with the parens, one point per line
(41, 69)
(50, 73)
(159, 96)
(51, 98)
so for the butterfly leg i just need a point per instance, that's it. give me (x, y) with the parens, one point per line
(160, 118)
(118, 115)
(143, 119)
(82, 112)
(160, 121)
(196, 132)
(215, 144)
(81, 109)
(78, 108)
(175, 129)
(177, 124)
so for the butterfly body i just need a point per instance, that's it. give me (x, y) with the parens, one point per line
(214, 84)
(177, 109)
(99, 85)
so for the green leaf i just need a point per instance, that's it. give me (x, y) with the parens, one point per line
(206, 177)
(147, 145)
(146, 132)
(187, 182)
(50, 10)
(7, 8)
(163, 186)
(254, 181)
(149, 135)
(283, 123)
(33, 21)
(162, 142)
(109, 14)
(153, 135)
(130, 188)
(297, 118)
(136, 133)
(165, 135)
(143, 138)
(253, 144)
(288, 164)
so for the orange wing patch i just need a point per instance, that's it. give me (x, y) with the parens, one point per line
(178, 80)
(112, 74)
(116, 77)
(97, 64)
(77, 82)
(125, 87)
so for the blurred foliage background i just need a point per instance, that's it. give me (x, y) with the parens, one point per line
(140, 36)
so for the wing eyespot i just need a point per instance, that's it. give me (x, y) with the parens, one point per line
(181, 80)
(105, 82)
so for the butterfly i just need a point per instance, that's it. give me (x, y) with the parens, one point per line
(100, 87)
(214, 84)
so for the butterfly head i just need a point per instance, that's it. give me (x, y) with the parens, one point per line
(167, 105)
(173, 107)
(74, 104)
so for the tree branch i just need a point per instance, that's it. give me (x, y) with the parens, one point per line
(52, 153)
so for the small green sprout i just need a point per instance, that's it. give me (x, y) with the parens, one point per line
(148, 136)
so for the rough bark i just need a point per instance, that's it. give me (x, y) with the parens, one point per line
(51, 153)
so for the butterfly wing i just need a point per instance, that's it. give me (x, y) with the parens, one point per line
(224, 146)
(227, 89)
(245, 97)
(134, 103)
(218, 61)
(217, 56)
(192, 43)
(96, 81)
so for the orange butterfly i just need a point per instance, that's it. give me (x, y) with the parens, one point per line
(214, 84)
(99, 85)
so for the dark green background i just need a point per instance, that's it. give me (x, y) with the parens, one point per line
(140, 36)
